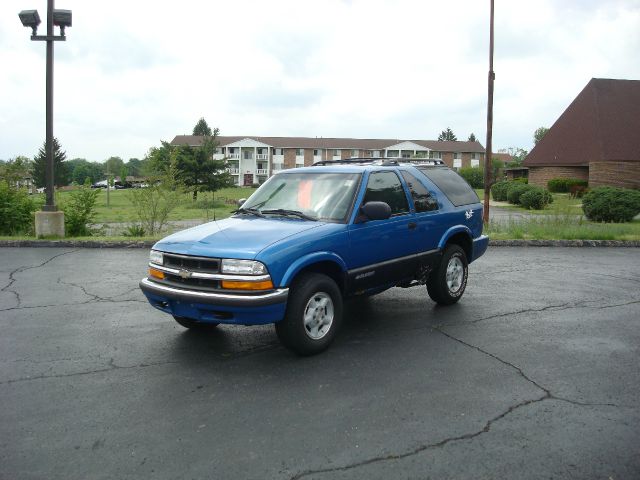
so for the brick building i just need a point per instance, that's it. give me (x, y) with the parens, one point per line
(597, 138)
(254, 159)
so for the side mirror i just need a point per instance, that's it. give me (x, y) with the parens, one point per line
(374, 211)
(241, 202)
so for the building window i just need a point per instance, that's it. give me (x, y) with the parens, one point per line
(316, 153)
(277, 151)
(336, 153)
(232, 150)
(392, 153)
(354, 153)
(376, 154)
(457, 155)
(435, 155)
(300, 152)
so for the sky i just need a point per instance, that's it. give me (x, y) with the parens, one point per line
(133, 73)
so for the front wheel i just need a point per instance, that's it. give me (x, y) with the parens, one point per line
(448, 282)
(313, 316)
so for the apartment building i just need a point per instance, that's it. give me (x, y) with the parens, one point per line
(253, 159)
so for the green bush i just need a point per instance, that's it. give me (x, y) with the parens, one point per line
(80, 210)
(515, 191)
(499, 191)
(473, 176)
(610, 204)
(520, 180)
(16, 210)
(563, 185)
(536, 198)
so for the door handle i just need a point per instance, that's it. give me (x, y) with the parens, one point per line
(412, 225)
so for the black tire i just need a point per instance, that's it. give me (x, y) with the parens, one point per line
(194, 324)
(313, 316)
(448, 282)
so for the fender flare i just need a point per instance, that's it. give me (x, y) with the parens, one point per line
(310, 259)
(454, 231)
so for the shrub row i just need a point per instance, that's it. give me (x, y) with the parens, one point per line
(519, 193)
(16, 210)
(563, 185)
(610, 204)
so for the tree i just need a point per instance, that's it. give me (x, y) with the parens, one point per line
(59, 168)
(472, 138)
(538, 134)
(113, 165)
(15, 170)
(134, 167)
(158, 159)
(154, 203)
(518, 155)
(197, 169)
(447, 135)
(202, 129)
(80, 170)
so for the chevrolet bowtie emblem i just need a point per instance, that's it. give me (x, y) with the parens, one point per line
(184, 274)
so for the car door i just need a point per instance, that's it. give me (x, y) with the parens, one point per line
(382, 252)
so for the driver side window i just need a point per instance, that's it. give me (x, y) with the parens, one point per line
(386, 187)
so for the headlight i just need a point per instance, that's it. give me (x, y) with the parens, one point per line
(243, 267)
(155, 257)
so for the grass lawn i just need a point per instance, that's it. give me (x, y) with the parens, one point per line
(120, 208)
(562, 220)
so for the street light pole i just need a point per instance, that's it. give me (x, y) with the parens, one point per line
(49, 222)
(49, 205)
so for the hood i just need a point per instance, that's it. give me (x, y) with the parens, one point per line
(234, 237)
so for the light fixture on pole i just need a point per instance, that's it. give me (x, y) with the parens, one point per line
(48, 224)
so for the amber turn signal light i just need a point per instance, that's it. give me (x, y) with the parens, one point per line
(156, 274)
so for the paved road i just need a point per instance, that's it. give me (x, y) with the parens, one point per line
(534, 374)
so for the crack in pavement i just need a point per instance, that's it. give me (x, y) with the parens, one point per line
(547, 395)
(422, 448)
(12, 279)
(110, 367)
(554, 308)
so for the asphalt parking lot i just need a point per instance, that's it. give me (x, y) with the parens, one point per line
(534, 374)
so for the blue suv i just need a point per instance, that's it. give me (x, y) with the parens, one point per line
(311, 237)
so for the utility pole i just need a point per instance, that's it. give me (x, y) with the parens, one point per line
(488, 154)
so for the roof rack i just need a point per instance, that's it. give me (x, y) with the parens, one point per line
(383, 161)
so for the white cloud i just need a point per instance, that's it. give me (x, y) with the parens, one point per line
(132, 73)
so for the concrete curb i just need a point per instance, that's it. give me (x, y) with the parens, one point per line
(149, 244)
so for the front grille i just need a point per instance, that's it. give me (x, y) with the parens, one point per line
(194, 264)
(203, 284)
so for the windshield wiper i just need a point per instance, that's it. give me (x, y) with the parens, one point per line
(289, 213)
(250, 211)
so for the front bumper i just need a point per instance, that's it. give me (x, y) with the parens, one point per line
(217, 307)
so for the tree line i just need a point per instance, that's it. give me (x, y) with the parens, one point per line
(194, 167)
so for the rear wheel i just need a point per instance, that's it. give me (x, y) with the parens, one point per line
(194, 324)
(447, 284)
(313, 316)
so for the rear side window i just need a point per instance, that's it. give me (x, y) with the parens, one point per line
(452, 185)
(386, 187)
(422, 199)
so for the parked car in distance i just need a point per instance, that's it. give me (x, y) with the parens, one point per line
(311, 237)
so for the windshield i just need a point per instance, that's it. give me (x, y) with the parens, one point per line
(320, 196)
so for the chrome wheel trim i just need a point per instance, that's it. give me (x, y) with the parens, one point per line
(455, 274)
(318, 315)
